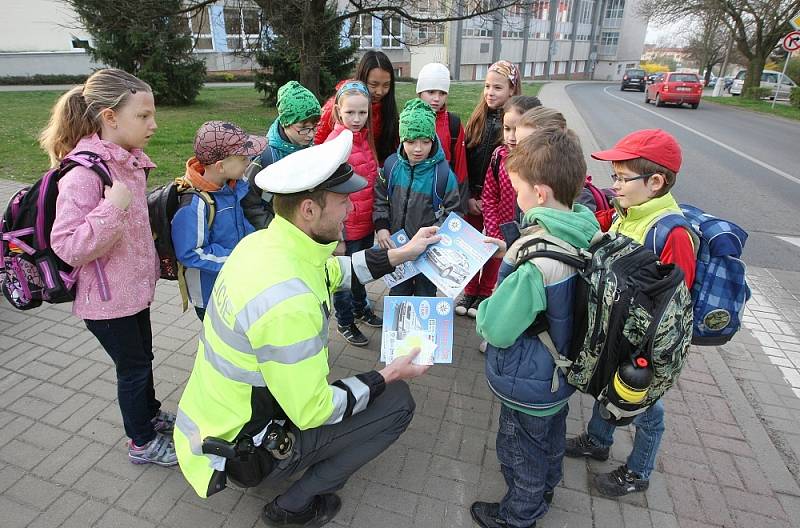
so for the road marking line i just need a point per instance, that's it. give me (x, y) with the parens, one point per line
(791, 240)
(709, 138)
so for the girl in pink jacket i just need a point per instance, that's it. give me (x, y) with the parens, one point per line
(352, 111)
(106, 233)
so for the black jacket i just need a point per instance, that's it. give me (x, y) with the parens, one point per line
(479, 156)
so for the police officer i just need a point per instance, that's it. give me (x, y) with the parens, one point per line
(258, 404)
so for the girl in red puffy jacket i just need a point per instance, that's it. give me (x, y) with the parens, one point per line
(351, 111)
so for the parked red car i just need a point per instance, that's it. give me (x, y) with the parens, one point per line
(675, 87)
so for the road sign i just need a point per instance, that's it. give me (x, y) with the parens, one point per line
(791, 42)
(795, 22)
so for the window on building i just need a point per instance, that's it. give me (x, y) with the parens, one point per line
(540, 9)
(615, 8)
(391, 32)
(428, 33)
(528, 69)
(552, 69)
(480, 71)
(361, 31)
(585, 11)
(200, 27)
(539, 69)
(564, 11)
(242, 26)
(580, 66)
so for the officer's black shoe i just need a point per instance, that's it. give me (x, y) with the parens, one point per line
(485, 515)
(321, 511)
(353, 335)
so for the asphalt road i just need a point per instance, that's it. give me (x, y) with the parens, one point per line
(739, 165)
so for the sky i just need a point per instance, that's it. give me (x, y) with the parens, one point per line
(664, 33)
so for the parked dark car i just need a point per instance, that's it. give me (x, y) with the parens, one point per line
(633, 79)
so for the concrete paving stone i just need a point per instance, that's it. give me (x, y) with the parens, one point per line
(65, 409)
(430, 512)
(685, 499)
(31, 407)
(455, 469)
(13, 387)
(687, 468)
(22, 454)
(682, 429)
(458, 517)
(713, 502)
(44, 436)
(102, 486)
(60, 511)
(635, 517)
(30, 327)
(657, 494)
(387, 466)
(16, 515)
(729, 445)
(575, 474)
(719, 428)
(114, 518)
(391, 499)
(88, 375)
(35, 492)
(663, 520)
(751, 375)
(762, 392)
(573, 501)
(466, 417)
(606, 512)
(141, 489)
(473, 446)
(749, 520)
(368, 516)
(82, 456)
(558, 518)
(492, 486)
(185, 515)
(51, 392)
(752, 476)
(9, 475)
(750, 502)
(788, 425)
(164, 497)
(78, 419)
(725, 468)
(102, 388)
(451, 491)
(35, 368)
(246, 513)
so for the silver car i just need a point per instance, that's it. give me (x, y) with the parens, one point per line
(769, 79)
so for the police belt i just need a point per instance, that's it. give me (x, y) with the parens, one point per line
(277, 440)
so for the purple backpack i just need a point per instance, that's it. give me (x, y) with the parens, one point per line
(30, 272)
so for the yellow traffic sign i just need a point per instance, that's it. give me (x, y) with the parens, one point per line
(795, 22)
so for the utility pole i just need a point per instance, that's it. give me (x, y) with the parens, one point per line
(721, 79)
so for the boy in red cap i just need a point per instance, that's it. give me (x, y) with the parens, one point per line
(645, 165)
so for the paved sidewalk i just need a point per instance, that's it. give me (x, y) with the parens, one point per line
(732, 430)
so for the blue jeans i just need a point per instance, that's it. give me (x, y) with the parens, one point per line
(649, 430)
(530, 450)
(348, 303)
(419, 286)
(129, 342)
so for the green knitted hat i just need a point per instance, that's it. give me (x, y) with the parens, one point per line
(417, 120)
(296, 103)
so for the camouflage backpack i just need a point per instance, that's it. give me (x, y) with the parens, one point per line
(630, 310)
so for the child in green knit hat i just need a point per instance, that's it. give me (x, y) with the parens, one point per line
(417, 187)
(292, 130)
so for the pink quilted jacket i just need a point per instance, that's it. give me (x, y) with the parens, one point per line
(88, 227)
(359, 222)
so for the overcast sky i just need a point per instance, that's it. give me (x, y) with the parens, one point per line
(665, 34)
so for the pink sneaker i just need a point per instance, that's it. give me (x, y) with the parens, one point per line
(160, 451)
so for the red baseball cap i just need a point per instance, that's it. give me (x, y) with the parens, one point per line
(651, 144)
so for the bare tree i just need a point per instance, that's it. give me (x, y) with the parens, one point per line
(302, 20)
(757, 25)
(707, 43)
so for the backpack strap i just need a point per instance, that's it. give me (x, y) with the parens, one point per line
(90, 160)
(267, 157)
(656, 238)
(454, 124)
(388, 169)
(185, 198)
(442, 174)
(496, 167)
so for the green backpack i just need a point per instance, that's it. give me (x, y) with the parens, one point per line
(632, 321)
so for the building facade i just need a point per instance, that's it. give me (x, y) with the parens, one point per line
(549, 39)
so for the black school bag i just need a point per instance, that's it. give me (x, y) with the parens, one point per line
(30, 271)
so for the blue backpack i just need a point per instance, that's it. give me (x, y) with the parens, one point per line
(439, 182)
(720, 288)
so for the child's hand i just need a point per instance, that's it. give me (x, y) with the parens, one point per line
(385, 239)
(501, 246)
(119, 195)
(473, 207)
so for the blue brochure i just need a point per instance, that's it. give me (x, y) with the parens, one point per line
(404, 271)
(424, 322)
(456, 258)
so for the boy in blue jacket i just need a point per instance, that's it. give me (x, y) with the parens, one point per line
(547, 170)
(222, 152)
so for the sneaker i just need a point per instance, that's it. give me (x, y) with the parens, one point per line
(369, 318)
(482, 347)
(463, 303)
(353, 335)
(473, 310)
(160, 451)
(164, 422)
(582, 446)
(486, 515)
(620, 482)
(321, 510)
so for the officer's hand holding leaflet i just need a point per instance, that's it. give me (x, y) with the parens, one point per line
(403, 368)
(419, 243)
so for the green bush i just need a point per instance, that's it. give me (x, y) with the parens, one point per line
(249, 76)
(757, 92)
(794, 97)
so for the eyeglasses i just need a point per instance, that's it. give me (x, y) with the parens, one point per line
(307, 130)
(617, 178)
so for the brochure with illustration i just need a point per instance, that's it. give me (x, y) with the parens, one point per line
(424, 322)
(456, 258)
(404, 271)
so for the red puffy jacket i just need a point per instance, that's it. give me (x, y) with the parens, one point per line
(359, 222)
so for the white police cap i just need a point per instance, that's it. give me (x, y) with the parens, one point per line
(319, 167)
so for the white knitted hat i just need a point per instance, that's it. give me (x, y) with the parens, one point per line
(434, 76)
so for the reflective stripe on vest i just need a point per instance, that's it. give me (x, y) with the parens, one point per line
(191, 431)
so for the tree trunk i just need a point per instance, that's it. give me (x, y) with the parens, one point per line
(311, 51)
(754, 70)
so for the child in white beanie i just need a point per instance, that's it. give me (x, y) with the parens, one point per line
(433, 85)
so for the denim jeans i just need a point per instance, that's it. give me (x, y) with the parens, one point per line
(530, 450)
(129, 342)
(418, 286)
(649, 430)
(348, 303)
